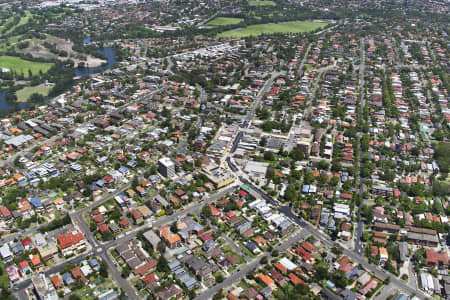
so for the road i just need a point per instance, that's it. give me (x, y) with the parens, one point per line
(360, 226)
(235, 247)
(266, 87)
(250, 266)
(168, 219)
(302, 64)
(312, 93)
(19, 286)
(312, 230)
(102, 249)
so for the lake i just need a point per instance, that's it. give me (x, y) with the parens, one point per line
(110, 55)
(107, 51)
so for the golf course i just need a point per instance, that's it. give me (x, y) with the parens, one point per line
(261, 3)
(286, 27)
(20, 65)
(222, 21)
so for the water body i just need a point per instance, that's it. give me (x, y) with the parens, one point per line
(107, 51)
(5, 106)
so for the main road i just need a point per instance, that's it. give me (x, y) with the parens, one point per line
(360, 226)
(312, 230)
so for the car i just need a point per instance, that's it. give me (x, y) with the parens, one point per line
(373, 272)
(182, 209)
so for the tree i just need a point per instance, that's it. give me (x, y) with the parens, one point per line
(162, 265)
(324, 165)
(297, 154)
(334, 181)
(161, 247)
(219, 277)
(126, 272)
(268, 155)
(263, 141)
(107, 235)
(290, 194)
(206, 211)
(103, 269)
(309, 178)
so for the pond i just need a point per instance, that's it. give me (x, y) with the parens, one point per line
(5, 106)
(107, 51)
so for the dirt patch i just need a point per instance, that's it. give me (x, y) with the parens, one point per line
(39, 51)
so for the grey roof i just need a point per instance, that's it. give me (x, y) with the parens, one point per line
(109, 295)
(152, 238)
(17, 247)
(174, 265)
(161, 200)
(403, 249)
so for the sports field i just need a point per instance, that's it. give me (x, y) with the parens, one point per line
(25, 93)
(22, 66)
(221, 21)
(261, 3)
(286, 27)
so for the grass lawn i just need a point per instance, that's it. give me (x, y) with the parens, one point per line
(4, 280)
(25, 93)
(22, 66)
(220, 21)
(261, 3)
(286, 27)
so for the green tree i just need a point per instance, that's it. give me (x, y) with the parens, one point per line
(161, 247)
(297, 154)
(163, 265)
(206, 211)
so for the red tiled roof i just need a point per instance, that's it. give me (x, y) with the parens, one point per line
(295, 280)
(69, 239)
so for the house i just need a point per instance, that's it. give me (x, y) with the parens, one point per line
(36, 261)
(295, 280)
(24, 267)
(267, 280)
(78, 275)
(5, 213)
(108, 295)
(152, 238)
(57, 282)
(137, 216)
(384, 255)
(17, 248)
(13, 273)
(171, 291)
(6, 253)
(172, 240)
(68, 279)
(436, 259)
(26, 243)
(70, 242)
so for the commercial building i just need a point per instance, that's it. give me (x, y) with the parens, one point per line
(166, 167)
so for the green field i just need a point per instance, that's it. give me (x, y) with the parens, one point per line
(286, 27)
(24, 20)
(261, 3)
(25, 93)
(22, 66)
(220, 21)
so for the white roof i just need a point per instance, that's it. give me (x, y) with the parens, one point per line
(288, 264)
(5, 252)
